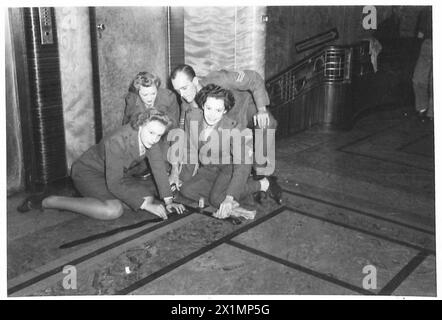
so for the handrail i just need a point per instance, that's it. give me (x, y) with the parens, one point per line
(330, 64)
(332, 85)
(308, 58)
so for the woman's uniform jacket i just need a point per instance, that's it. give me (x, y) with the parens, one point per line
(241, 161)
(113, 157)
(165, 101)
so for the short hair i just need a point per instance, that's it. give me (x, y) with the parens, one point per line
(140, 119)
(185, 68)
(214, 91)
(144, 79)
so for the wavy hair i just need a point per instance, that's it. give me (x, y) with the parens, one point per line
(142, 118)
(214, 91)
(144, 79)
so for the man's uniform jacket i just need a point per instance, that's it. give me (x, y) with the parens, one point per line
(248, 88)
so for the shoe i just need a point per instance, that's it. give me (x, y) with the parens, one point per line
(259, 196)
(33, 202)
(143, 175)
(275, 190)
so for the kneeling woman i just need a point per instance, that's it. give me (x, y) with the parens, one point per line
(225, 178)
(100, 174)
(145, 94)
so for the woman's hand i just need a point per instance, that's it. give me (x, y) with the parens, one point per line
(177, 207)
(225, 208)
(156, 209)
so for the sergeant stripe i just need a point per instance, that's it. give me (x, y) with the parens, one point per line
(240, 76)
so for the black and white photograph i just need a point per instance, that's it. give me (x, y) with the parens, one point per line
(219, 149)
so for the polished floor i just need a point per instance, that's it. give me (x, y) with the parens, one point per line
(358, 218)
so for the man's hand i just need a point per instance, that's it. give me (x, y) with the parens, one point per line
(262, 118)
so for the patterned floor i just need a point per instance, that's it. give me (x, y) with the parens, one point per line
(357, 219)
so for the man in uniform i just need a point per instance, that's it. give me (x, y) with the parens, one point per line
(250, 110)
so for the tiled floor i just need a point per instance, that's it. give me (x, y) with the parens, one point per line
(353, 200)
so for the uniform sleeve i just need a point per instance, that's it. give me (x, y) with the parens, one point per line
(244, 80)
(173, 109)
(124, 188)
(242, 163)
(189, 143)
(185, 108)
(130, 108)
(182, 125)
(158, 166)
